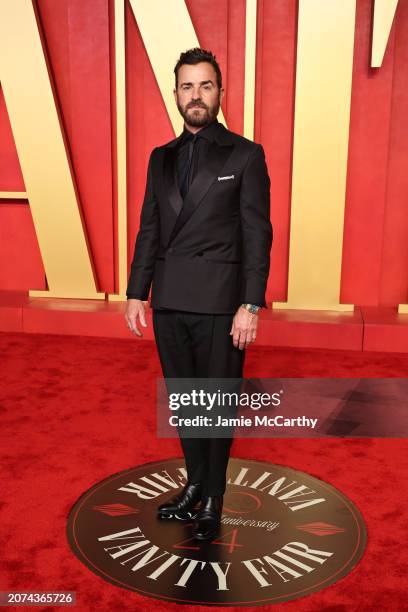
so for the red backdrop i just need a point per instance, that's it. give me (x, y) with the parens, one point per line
(78, 39)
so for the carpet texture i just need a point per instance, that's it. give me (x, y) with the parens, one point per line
(77, 409)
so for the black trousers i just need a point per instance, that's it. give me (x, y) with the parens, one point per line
(193, 345)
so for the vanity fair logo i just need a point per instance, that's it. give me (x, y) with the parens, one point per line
(285, 534)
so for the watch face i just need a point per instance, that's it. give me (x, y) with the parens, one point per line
(251, 308)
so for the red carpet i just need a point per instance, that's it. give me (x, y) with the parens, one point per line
(75, 410)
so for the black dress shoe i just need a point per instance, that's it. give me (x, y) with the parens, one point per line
(182, 504)
(208, 520)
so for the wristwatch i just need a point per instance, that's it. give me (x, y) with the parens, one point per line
(252, 308)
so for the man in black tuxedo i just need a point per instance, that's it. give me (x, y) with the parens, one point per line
(204, 243)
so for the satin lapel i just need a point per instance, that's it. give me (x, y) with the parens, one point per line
(210, 167)
(170, 180)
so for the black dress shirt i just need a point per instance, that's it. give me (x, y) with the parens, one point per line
(191, 149)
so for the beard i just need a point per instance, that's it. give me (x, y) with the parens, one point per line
(199, 118)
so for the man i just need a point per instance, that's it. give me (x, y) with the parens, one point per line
(204, 242)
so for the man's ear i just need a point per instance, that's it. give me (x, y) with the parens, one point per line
(221, 94)
(175, 94)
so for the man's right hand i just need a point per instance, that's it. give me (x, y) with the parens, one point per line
(135, 309)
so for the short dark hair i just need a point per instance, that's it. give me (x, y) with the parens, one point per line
(195, 56)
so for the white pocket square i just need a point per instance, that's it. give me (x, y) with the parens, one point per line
(226, 178)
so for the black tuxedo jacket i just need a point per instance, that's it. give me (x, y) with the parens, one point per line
(209, 253)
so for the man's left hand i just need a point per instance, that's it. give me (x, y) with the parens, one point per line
(244, 326)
